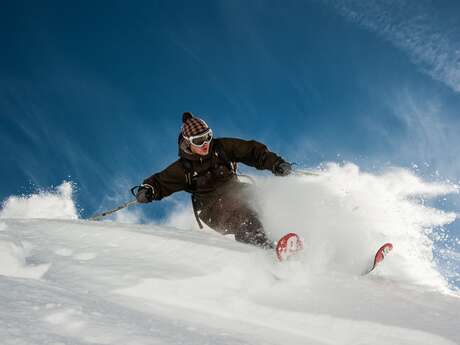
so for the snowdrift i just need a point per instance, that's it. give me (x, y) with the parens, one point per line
(69, 281)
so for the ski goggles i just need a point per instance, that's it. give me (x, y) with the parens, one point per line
(200, 140)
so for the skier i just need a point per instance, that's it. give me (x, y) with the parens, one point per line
(207, 169)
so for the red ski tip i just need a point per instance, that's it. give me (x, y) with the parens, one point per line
(288, 245)
(381, 253)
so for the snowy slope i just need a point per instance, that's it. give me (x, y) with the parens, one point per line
(71, 281)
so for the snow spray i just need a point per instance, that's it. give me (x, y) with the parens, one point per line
(344, 215)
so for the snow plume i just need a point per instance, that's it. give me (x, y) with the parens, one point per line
(182, 217)
(419, 28)
(345, 215)
(57, 204)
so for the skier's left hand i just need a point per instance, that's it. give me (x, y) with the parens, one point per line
(282, 168)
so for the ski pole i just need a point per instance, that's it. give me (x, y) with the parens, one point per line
(133, 190)
(305, 173)
(109, 212)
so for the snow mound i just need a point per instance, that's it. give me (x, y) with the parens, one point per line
(112, 283)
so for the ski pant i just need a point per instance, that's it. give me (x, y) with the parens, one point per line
(232, 214)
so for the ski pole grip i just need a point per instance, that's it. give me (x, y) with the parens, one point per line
(135, 189)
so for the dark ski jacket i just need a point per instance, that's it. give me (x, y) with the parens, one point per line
(211, 175)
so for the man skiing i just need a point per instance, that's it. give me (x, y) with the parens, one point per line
(207, 169)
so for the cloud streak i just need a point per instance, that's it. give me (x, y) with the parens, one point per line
(429, 37)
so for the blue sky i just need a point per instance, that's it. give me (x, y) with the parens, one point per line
(94, 91)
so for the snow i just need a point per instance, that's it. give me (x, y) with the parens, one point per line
(13, 259)
(58, 205)
(70, 281)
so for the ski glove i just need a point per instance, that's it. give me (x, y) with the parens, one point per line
(144, 194)
(282, 168)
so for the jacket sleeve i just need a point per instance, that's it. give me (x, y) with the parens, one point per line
(168, 181)
(252, 153)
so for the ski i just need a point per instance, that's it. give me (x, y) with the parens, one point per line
(291, 244)
(288, 245)
(380, 255)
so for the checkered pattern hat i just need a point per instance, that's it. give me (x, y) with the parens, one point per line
(192, 125)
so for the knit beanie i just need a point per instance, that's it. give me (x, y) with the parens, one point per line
(192, 125)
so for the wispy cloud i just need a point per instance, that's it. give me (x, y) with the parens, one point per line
(429, 37)
(431, 132)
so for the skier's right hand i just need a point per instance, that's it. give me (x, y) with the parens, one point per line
(282, 168)
(144, 194)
